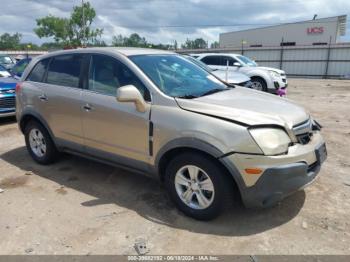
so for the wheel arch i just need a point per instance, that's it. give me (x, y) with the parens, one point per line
(259, 77)
(30, 115)
(182, 145)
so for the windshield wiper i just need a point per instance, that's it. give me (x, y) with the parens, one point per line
(187, 96)
(213, 91)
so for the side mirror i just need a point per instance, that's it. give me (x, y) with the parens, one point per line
(130, 93)
(237, 64)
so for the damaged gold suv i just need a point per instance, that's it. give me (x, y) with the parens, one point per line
(157, 113)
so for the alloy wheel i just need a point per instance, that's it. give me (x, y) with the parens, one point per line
(37, 142)
(194, 187)
(257, 86)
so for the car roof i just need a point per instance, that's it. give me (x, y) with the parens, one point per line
(219, 54)
(126, 51)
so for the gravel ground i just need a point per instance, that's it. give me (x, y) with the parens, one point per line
(77, 206)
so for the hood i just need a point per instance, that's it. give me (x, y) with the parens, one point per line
(7, 83)
(248, 107)
(4, 73)
(232, 77)
(271, 69)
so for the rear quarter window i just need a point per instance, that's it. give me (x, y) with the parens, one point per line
(38, 72)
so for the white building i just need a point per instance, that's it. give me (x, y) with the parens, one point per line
(312, 32)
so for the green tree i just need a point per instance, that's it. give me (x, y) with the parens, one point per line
(215, 45)
(134, 40)
(51, 46)
(198, 43)
(8, 41)
(73, 31)
(29, 46)
(175, 45)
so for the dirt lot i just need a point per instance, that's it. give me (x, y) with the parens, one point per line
(77, 206)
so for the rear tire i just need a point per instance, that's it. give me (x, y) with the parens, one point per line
(39, 143)
(198, 186)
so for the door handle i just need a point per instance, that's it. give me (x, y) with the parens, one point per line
(43, 97)
(87, 107)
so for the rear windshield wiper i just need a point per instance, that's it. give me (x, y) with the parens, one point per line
(213, 91)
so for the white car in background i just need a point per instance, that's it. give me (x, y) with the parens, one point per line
(266, 79)
(231, 77)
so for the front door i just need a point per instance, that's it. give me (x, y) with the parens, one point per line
(113, 130)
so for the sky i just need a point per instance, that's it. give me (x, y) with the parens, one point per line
(163, 21)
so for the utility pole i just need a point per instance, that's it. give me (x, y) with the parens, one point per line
(83, 22)
(281, 54)
(325, 76)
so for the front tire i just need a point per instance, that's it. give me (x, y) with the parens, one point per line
(198, 186)
(259, 84)
(39, 143)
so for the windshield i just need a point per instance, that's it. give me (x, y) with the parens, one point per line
(5, 60)
(175, 76)
(247, 61)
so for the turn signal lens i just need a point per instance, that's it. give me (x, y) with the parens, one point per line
(253, 171)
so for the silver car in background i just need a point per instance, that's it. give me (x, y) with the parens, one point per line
(156, 113)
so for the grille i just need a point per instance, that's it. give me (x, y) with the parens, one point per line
(304, 138)
(8, 102)
(303, 132)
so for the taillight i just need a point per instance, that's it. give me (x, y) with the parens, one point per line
(18, 87)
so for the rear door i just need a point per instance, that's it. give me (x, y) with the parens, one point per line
(60, 99)
(114, 130)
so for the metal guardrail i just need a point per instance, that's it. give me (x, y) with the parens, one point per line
(22, 52)
(322, 55)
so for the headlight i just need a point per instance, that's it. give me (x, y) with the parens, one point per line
(274, 74)
(272, 141)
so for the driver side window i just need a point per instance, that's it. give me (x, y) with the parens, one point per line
(106, 74)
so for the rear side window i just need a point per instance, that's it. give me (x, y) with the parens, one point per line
(212, 60)
(64, 70)
(38, 72)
